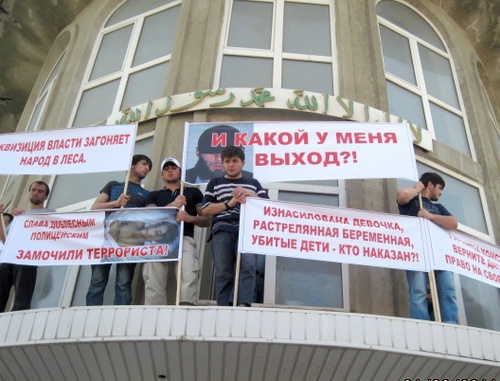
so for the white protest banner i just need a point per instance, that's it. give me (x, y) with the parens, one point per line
(331, 235)
(69, 150)
(332, 150)
(292, 151)
(94, 237)
(462, 254)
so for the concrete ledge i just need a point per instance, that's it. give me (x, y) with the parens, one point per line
(217, 343)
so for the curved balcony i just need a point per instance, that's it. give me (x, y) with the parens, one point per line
(225, 343)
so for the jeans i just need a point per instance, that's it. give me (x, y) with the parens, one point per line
(23, 278)
(99, 280)
(224, 251)
(417, 288)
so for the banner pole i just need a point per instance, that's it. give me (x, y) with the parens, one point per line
(179, 264)
(432, 281)
(3, 237)
(237, 279)
(434, 296)
(125, 186)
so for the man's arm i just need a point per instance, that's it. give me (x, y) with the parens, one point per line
(200, 220)
(446, 222)
(102, 202)
(240, 194)
(218, 207)
(406, 194)
(17, 212)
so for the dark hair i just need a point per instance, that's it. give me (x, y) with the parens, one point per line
(139, 157)
(9, 216)
(205, 139)
(40, 182)
(170, 235)
(433, 178)
(232, 151)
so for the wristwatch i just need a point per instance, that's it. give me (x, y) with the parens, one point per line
(226, 204)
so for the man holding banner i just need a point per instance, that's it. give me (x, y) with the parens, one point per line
(223, 197)
(23, 277)
(430, 187)
(114, 195)
(155, 273)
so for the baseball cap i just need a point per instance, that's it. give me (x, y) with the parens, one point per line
(205, 139)
(170, 160)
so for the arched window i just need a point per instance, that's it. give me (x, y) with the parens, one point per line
(129, 66)
(422, 87)
(279, 44)
(44, 95)
(131, 60)
(421, 82)
(39, 110)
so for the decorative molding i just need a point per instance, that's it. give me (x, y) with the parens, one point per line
(283, 99)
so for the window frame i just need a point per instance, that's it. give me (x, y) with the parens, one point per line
(276, 50)
(271, 261)
(45, 94)
(42, 100)
(489, 237)
(420, 89)
(126, 70)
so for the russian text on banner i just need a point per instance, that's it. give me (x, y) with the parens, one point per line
(332, 235)
(93, 237)
(291, 151)
(462, 254)
(69, 150)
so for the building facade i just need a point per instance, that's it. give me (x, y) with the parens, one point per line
(162, 63)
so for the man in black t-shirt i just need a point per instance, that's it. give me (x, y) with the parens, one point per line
(430, 186)
(155, 274)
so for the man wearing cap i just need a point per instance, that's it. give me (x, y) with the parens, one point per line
(209, 163)
(155, 274)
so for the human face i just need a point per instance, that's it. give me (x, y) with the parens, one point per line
(171, 173)
(38, 194)
(435, 191)
(156, 232)
(213, 163)
(233, 166)
(141, 169)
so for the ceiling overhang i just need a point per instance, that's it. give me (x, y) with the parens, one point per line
(225, 343)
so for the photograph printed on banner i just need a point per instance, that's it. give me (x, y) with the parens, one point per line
(205, 142)
(155, 229)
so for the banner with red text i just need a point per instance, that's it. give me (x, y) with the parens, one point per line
(462, 254)
(332, 235)
(292, 151)
(94, 237)
(69, 150)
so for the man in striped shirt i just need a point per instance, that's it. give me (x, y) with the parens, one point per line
(223, 197)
